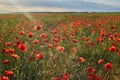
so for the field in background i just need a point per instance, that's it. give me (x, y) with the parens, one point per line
(62, 46)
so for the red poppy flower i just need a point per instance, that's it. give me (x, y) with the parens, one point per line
(43, 35)
(6, 61)
(15, 56)
(39, 56)
(81, 59)
(50, 45)
(22, 47)
(85, 39)
(75, 40)
(112, 48)
(4, 78)
(3, 50)
(90, 70)
(8, 44)
(100, 61)
(63, 39)
(60, 49)
(56, 40)
(66, 76)
(8, 73)
(35, 41)
(112, 27)
(11, 50)
(30, 34)
(31, 58)
(38, 27)
(22, 32)
(108, 66)
(35, 51)
(74, 49)
(18, 42)
(117, 39)
(118, 52)
(93, 77)
(99, 39)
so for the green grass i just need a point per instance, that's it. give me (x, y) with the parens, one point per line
(54, 63)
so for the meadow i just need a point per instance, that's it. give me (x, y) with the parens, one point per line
(60, 46)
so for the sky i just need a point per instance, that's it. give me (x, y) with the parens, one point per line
(7, 6)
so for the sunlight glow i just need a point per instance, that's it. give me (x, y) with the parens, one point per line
(21, 9)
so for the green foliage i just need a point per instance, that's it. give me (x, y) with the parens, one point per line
(55, 63)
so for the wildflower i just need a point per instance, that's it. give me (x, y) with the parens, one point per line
(54, 31)
(50, 45)
(22, 47)
(4, 78)
(85, 39)
(31, 58)
(112, 48)
(8, 44)
(39, 56)
(15, 56)
(99, 39)
(3, 50)
(66, 76)
(81, 59)
(35, 51)
(22, 32)
(108, 66)
(30, 34)
(35, 41)
(93, 77)
(18, 42)
(56, 78)
(112, 27)
(100, 61)
(43, 35)
(38, 27)
(90, 70)
(117, 39)
(8, 73)
(63, 39)
(56, 43)
(11, 50)
(6, 61)
(75, 40)
(74, 49)
(56, 40)
(118, 52)
(60, 49)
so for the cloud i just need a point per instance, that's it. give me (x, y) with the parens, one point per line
(105, 2)
(58, 2)
(17, 8)
(55, 6)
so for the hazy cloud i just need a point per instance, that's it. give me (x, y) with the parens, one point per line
(58, 5)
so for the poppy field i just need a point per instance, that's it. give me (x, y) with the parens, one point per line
(66, 46)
